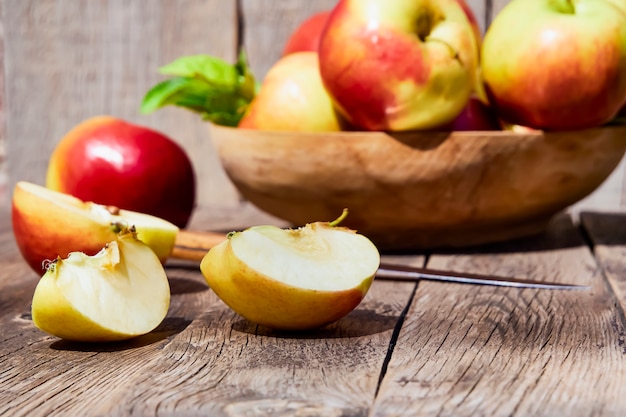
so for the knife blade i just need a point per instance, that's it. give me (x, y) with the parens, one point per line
(193, 245)
(397, 272)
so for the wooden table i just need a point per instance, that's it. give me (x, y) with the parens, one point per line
(425, 349)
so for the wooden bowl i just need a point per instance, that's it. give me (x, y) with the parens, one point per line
(420, 190)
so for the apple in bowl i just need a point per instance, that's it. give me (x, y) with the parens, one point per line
(292, 97)
(307, 35)
(556, 65)
(398, 65)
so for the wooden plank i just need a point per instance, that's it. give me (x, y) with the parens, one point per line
(203, 360)
(488, 351)
(269, 24)
(68, 61)
(607, 232)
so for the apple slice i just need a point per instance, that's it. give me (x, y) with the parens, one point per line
(48, 224)
(292, 279)
(119, 293)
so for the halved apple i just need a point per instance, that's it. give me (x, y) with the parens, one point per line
(119, 293)
(292, 278)
(48, 224)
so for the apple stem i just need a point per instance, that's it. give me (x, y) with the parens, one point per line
(339, 219)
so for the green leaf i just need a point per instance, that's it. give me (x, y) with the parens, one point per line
(212, 69)
(218, 91)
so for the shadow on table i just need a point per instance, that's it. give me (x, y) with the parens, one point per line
(169, 327)
(604, 228)
(562, 233)
(360, 322)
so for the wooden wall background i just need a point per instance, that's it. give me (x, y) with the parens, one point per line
(62, 61)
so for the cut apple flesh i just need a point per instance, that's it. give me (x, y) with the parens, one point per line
(321, 259)
(119, 293)
(292, 279)
(48, 224)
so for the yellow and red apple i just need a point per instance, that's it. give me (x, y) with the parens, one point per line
(119, 293)
(293, 98)
(48, 224)
(473, 21)
(292, 279)
(556, 64)
(112, 162)
(398, 65)
(307, 35)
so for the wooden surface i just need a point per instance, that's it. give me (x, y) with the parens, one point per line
(408, 350)
(64, 61)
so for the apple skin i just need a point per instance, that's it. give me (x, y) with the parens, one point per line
(620, 4)
(476, 115)
(103, 157)
(120, 293)
(547, 67)
(388, 68)
(48, 224)
(271, 303)
(293, 98)
(307, 36)
(473, 21)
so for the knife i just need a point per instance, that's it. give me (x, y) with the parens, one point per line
(193, 245)
(410, 273)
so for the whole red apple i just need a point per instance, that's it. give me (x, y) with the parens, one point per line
(556, 64)
(293, 98)
(112, 162)
(399, 64)
(306, 37)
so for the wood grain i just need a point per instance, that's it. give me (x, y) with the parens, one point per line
(67, 61)
(203, 360)
(607, 232)
(267, 25)
(462, 350)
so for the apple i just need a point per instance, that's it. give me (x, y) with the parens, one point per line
(119, 293)
(48, 224)
(398, 65)
(620, 4)
(292, 279)
(292, 97)
(556, 64)
(473, 21)
(112, 162)
(477, 115)
(306, 37)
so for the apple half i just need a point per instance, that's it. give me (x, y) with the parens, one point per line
(119, 293)
(48, 224)
(292, 279)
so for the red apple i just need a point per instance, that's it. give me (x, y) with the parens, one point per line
(398, 65)
(113, 162)
(556, 64)
(306, 37)
(48, 224)
(293, 98)
(476, 116)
